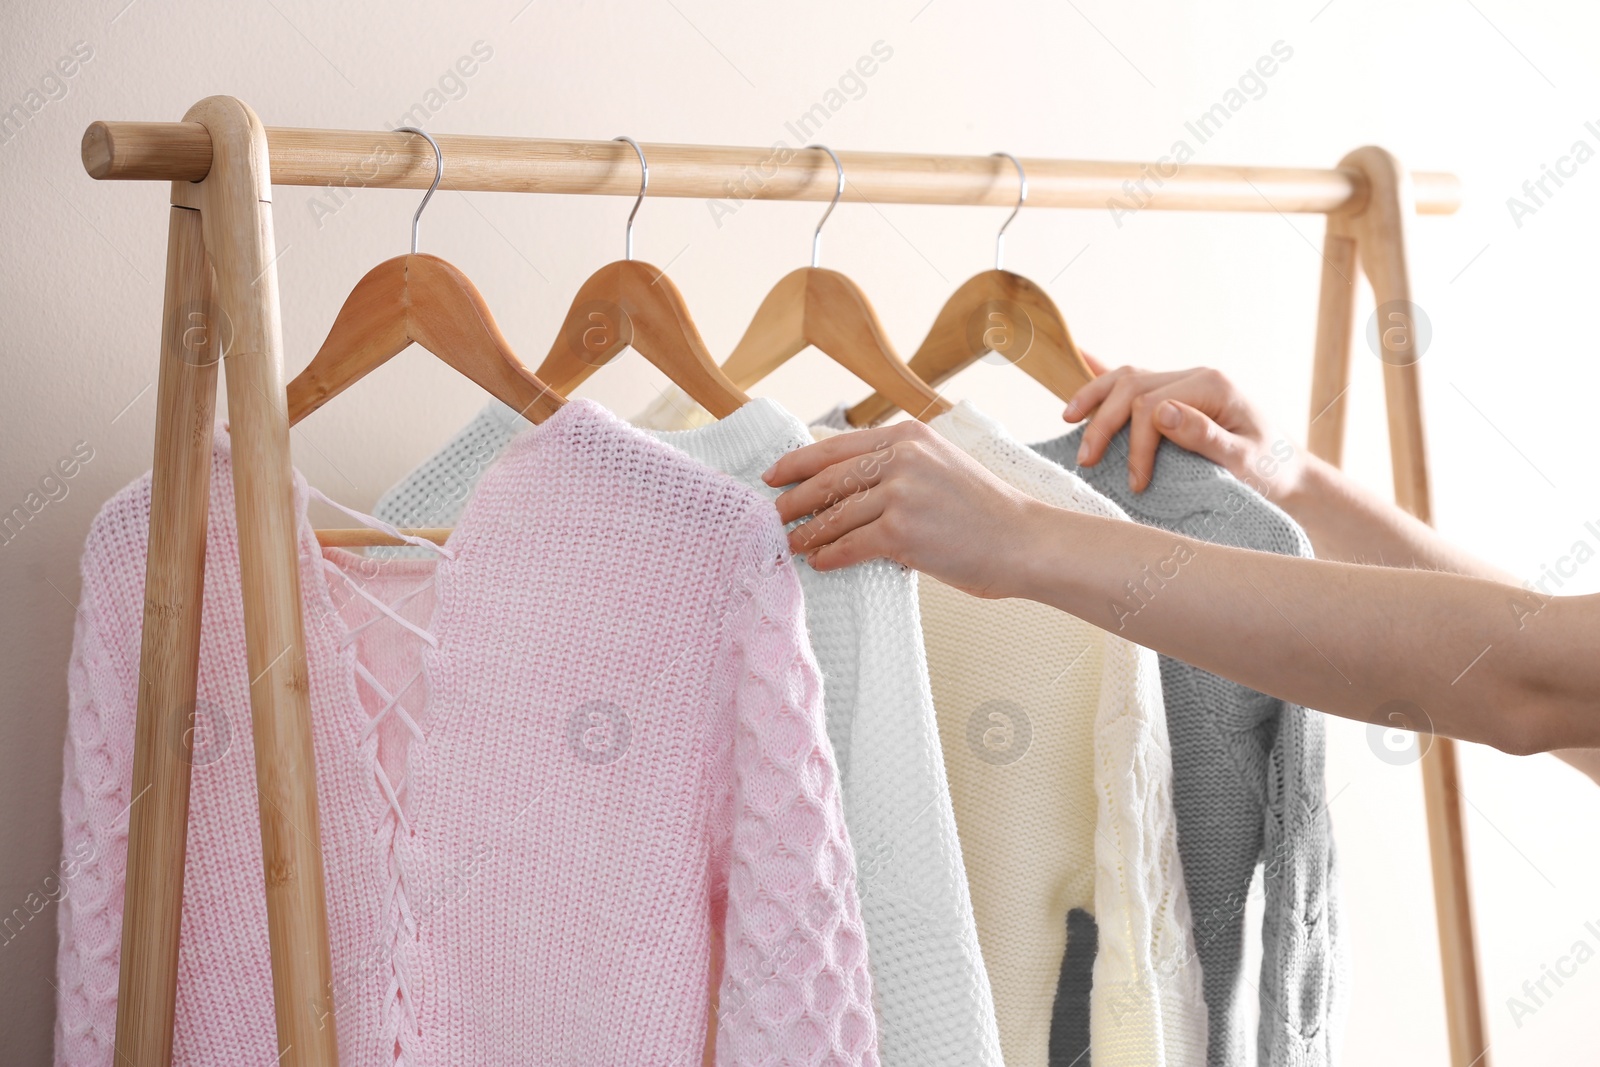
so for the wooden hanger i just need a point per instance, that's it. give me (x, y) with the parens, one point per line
(993, 311)
(424, 300)
(421, 299)
(629, 303)
(823, 308)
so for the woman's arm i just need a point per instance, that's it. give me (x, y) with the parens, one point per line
(1482, 660)
(1201, 410)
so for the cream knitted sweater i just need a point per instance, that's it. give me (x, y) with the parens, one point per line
(933, 995)
(553, 768)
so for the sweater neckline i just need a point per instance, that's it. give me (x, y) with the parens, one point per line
(574, 410)
(442, 568)
(748, 439)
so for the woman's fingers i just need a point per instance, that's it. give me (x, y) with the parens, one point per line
(1193, 429)
(1113, 413)
(809, 460)
(908, 495)
(1151, 419)
(833, 484)
(1143, 440)
(855, 546)
(845, 517)
(1086, 399)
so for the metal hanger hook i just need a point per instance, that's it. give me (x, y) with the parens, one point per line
(1022, 198)
(438, 172)
(838, 192)
(644, 187)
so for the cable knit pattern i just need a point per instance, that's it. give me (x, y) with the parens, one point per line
(933, 995)
(616, 759)
(1247, 784)
(1055, 741)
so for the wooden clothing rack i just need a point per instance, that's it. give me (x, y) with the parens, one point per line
(221, 277)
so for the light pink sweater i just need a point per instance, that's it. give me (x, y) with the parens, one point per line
(552, 768)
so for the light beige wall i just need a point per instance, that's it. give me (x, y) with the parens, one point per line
(1491, 90)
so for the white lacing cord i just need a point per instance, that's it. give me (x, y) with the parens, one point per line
(384, 610)
(391, 791)
(387, 609)
(401, 1024)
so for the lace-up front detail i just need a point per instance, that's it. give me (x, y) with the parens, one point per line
(384, 605)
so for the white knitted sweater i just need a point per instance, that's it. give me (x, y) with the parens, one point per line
(933, 995)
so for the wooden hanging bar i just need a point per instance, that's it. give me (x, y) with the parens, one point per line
(222, 163)
(181, 151)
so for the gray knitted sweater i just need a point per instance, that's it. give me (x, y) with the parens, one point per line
(1247, 786)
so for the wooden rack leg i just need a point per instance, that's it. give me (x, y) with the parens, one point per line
(169, 653)
(1380, 232)
(1336, 310)
(236, 213)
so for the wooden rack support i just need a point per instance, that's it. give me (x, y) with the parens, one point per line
(1377, 238)
(222, 304)
(169, 655)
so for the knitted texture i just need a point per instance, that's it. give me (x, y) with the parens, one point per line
(224, 1009)
(834, 419)
(1247, 785)
(546, 796)
(1055, 743)
(435, 492)
(933, 995)
(673, 409)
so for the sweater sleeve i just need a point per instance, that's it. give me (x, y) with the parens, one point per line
(935, 1002)
(795, 986)
(102, 689)
(1147, 1005)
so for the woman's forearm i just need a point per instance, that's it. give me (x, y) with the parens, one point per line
(1474, 658)
(1347, 521)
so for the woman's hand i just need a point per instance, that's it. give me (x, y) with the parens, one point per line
(904, 493)
(1199, 409)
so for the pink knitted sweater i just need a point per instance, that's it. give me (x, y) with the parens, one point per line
(568, 773)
